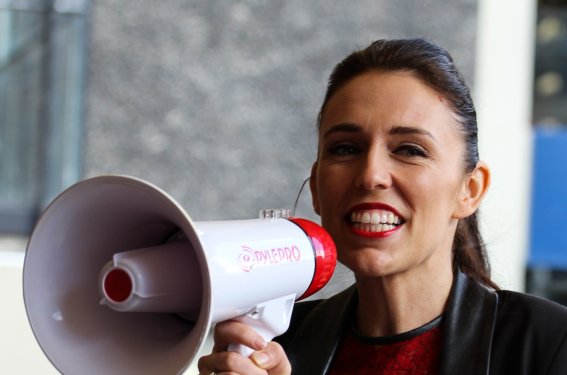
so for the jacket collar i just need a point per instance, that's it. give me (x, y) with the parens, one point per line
(315, 343)
(468, 327)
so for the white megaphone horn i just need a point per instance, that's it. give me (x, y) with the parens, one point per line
(119, 280)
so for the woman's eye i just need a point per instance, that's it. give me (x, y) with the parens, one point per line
(345, 149)
(411, 151)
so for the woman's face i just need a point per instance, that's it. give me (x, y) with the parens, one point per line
(389, 181)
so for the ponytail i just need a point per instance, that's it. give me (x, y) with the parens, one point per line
(469, 252)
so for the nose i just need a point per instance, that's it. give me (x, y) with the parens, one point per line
(374, 172)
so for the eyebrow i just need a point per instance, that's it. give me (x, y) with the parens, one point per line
(396, 130)
(343, 128)
(401, 130)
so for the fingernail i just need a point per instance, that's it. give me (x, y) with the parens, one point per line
(260, 344)
(260, 358)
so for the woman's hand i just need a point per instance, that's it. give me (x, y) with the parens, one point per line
(267, 358)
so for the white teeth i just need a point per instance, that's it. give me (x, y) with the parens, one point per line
(375, 220)
(373, 227)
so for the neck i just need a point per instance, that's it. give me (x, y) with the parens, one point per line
(398, 303)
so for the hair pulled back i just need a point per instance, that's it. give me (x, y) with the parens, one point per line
(434, 66)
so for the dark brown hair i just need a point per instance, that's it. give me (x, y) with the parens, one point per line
(434, 66)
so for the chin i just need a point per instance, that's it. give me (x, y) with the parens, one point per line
(368, 265)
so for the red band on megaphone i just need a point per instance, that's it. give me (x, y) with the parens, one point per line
(325, 254)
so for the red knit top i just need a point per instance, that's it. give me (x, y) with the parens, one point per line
(415, 352)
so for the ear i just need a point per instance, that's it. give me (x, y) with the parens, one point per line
(474, 188)
(314, 190)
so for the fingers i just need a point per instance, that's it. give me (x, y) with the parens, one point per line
(267, 358)
(228, 363)
(273, 359)
(233, 332)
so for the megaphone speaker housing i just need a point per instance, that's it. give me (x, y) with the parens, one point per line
(85, 226)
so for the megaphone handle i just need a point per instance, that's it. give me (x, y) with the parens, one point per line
(269, 319)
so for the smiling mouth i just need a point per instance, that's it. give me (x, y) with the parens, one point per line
(374, 221)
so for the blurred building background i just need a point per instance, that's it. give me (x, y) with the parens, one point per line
(216, 102)
(547, 259)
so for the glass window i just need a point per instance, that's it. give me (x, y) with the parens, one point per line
(42, 69)
(550, 81)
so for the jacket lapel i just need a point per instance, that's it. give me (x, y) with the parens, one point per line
(313, 347)
(468, 328)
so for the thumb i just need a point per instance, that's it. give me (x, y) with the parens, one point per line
(273, 359)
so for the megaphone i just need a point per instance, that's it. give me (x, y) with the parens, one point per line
(119, 280)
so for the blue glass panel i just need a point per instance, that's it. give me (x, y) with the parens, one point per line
(548, 240)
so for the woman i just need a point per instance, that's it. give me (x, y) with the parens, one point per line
(397, 183)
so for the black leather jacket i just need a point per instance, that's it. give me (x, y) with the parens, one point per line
(484, 332)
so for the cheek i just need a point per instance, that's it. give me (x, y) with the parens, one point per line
(330, 185)
(332, 190)
(435, 195)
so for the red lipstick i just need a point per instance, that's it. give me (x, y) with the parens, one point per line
(374, 234)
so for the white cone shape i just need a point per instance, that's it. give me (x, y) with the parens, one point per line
(213, 271)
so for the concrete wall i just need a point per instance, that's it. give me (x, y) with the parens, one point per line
(217, 104)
